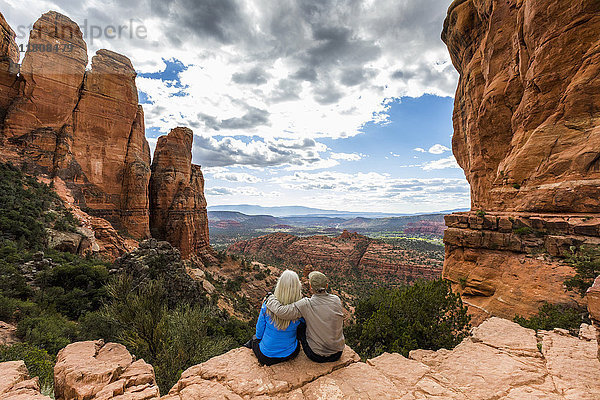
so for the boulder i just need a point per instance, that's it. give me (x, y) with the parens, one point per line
(593, 305)
(94, 370)
(238, 374)
(8, 334)
(15, 383)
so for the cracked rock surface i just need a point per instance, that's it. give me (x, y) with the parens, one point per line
(500, 361)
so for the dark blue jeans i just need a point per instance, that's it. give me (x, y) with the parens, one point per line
(271, 360)
(301, 334)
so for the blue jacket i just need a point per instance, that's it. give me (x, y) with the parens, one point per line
(273, 342)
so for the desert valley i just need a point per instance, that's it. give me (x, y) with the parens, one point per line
(118, 280)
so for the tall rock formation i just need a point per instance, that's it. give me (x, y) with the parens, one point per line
(527, 134)
(85, 127)
(113, 156)
(40, 118)
(177, 202)
(9, 68)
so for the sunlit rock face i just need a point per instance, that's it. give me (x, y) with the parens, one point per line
(83, 126)
(527, 134)
(527, 106)
(86, 128)
(177, 202)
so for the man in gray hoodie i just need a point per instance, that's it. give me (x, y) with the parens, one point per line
(322, 336)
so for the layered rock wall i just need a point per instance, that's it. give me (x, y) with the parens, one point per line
(527, 114)
(527, 134)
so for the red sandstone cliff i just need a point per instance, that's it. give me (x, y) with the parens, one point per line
(527, 134)
(177, 202)
(86, 127)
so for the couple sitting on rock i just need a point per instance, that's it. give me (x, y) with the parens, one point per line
(287, 319)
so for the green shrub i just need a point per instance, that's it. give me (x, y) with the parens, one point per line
(12, 280)
(586, 262)
(73, 287)
(193, 339)
(38, 361)
(23, 202)
(427, 315)
(171, 340)
(234, 285)
(523, 230)
(67, 223)
(50, 332)
(552, 316)
(260, 276)
(96, 325)
(15, 309)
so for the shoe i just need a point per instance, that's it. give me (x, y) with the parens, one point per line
(248, 344)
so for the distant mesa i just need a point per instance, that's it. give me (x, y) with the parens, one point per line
(348, 253)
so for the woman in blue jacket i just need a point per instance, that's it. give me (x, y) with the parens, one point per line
(276, 340)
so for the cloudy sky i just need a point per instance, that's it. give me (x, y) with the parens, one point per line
(341, 104)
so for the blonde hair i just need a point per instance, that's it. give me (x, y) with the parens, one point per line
(287, 291)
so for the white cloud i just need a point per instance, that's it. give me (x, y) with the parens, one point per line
(236, 177)
(443, 163)
(347, 156)
(319, 69)
(246, 191)
(353, 191)
(420, 150)
(438, 149)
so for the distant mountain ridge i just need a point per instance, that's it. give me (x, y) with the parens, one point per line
(294, 211)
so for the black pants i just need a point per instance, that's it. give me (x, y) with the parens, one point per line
(301, 334)
(264, 360)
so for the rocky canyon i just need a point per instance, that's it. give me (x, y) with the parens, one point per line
(85, 128)
(527, 134)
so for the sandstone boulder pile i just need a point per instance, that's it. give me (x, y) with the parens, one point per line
(95, 370)
(501, 361)
(15, 383)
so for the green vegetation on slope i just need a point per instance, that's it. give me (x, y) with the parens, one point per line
(586, 262)
(56, 298)
(426, 315)
(552, 316)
